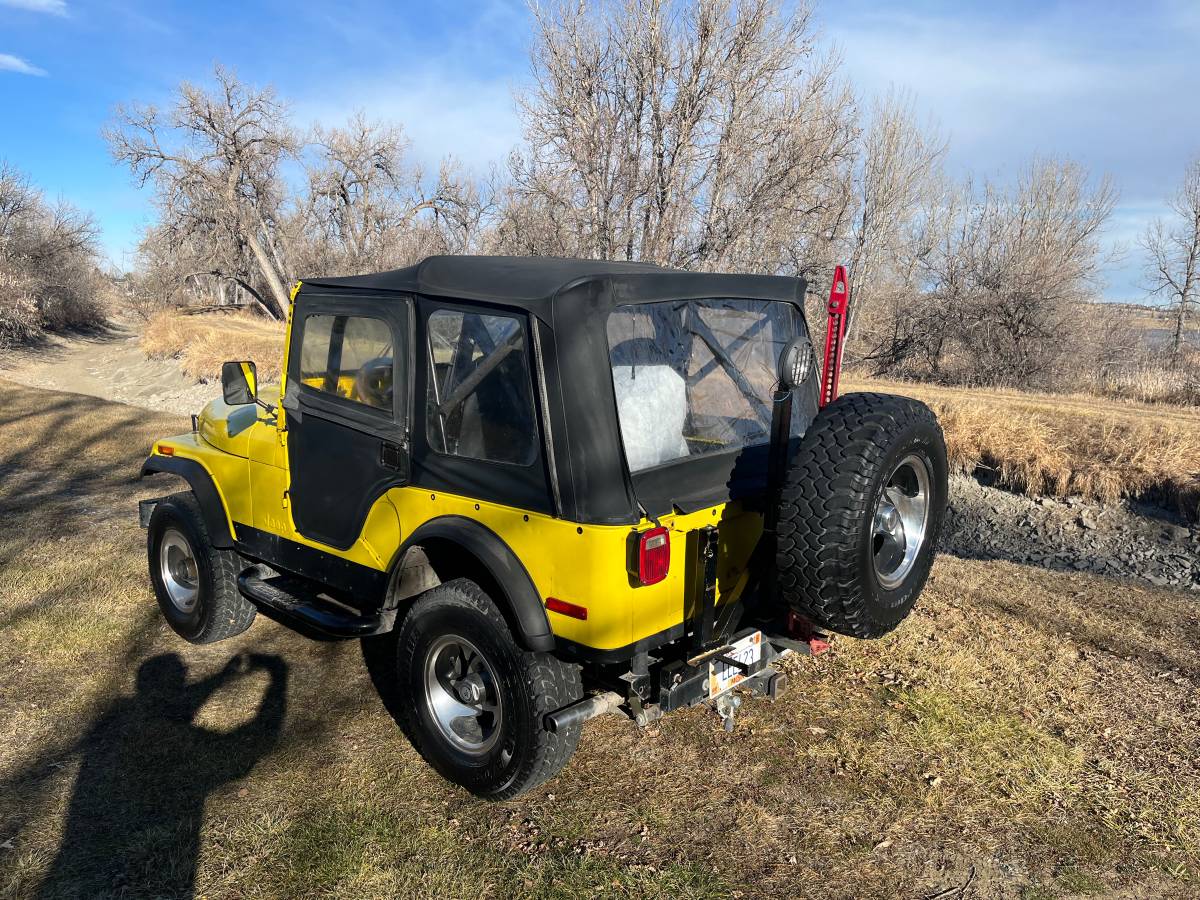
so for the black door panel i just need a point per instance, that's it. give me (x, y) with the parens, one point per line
(338, 472)
(343, 452)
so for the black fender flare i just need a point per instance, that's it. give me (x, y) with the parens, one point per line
(201, 483)
(520, 599)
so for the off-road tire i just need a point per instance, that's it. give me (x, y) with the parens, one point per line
(533, 684)
(220, 611)
(824, 551)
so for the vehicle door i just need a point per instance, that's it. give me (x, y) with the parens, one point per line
(347, 405)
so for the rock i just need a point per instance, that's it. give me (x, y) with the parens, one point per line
(1127, 541)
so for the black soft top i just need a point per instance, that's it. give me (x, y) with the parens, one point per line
(540, 283)
(581, 475)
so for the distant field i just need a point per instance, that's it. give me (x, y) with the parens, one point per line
(1058, 445)
(1156, 324)
(1028, 733)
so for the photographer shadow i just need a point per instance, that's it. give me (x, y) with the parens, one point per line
(134, 819)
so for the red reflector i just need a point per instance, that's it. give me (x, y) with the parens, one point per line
(567, 609)
(654, 555)
(166, 449)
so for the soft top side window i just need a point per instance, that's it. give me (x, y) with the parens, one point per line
(480, 398)
(349, 357)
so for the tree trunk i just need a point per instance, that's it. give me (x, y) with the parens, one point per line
(279, 294)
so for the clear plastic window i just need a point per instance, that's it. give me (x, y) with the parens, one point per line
(480, 398)
(349, 357)
(696, 376)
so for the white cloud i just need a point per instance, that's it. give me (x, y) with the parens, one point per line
(453, 98)
(1007, 96)
(443, 113)
(9, 63)
(990, 87)
(53, 7)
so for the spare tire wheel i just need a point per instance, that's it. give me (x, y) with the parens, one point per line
(860, 512)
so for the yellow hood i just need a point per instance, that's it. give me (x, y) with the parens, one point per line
(228, 427)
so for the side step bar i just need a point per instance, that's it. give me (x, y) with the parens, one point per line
(297, 603)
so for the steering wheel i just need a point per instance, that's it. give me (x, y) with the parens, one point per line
(374, 382)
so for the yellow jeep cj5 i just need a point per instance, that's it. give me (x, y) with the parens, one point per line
(541, 490)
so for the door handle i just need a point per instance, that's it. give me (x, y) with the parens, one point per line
(391, 456)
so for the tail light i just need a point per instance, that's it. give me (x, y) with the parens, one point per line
(653, 555)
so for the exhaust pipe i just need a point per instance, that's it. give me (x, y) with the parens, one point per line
(577, 713)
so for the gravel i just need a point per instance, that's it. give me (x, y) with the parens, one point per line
(1134, 541)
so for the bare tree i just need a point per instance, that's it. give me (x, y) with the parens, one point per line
(368, 207)
(896, 177)
(699, 133)
(1004, 275)
(362, 189)
(1173, 251)
(1027, 259)
(214, 159)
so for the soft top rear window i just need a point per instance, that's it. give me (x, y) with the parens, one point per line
(694, 377)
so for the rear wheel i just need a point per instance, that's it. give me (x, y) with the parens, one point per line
(860, 513)
(471, 701)
(194, 582)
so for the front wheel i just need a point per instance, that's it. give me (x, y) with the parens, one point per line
(194, 582)
(471, 701)
(860, 513)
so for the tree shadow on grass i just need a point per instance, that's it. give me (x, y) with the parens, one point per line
(133, 824)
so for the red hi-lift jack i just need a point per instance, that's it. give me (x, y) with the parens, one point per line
(835, 335)
(804, 636)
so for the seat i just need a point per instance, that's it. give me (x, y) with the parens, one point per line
(497, 418)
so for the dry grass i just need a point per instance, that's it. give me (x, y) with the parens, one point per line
(1156, 384)
(1036, 732)
(1047, 444)
(202, 342)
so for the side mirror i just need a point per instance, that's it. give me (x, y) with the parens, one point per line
(239, 383)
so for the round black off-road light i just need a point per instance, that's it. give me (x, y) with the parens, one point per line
(795, 362)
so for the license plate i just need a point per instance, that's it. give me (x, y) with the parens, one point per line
(722, 676)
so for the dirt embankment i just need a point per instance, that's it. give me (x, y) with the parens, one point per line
(1126, 540)
(107, 363)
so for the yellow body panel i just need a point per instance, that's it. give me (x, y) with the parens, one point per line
(587, 564)
(244, 449)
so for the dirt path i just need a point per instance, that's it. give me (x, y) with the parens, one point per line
(108, 364)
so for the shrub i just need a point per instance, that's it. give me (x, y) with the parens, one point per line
(49, 274)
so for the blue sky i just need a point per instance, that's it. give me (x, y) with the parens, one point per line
(1112, 85)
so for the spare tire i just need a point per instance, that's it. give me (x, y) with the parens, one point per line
(860, 512)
